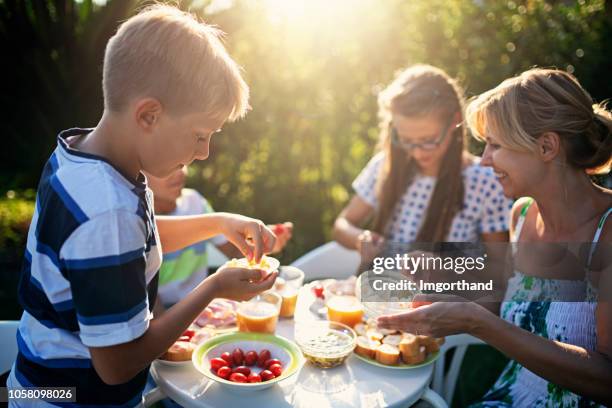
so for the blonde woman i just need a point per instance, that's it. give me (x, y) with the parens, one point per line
(543, 135)
(422, 186)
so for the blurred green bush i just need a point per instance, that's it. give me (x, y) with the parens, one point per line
(16, 212)
(314, 68)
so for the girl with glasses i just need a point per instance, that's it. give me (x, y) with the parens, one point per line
(422, 185)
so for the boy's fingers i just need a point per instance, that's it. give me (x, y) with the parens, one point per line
(242, 246)
(256, 237)
(263, 284)
(252, 275)
(269, 239)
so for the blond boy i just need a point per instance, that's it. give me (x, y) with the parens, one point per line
(94, 247)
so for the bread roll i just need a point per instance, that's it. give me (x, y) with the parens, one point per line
(415, 359)
(179, 351)
(392, 339)
(366, 347)
(430, 343)
(387, 354)
(374, 334)
(409, 345)
(360, 329)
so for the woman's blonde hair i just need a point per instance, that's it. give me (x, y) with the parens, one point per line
(521, 109)
(165, 53)
(420, 90)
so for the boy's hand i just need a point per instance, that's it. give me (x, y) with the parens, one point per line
(241, 283)
(283, 234)
(249, 235)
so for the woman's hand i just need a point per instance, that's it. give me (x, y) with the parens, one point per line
(448, 315)
(240, 283)
(249, 235)
(369, 244)
(283, 234)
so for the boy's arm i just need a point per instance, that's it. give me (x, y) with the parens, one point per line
(119, 363)
(249, 235)
(106, 263)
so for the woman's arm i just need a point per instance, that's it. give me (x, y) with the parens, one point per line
(119, 363)
(585, 372)
(347, 226)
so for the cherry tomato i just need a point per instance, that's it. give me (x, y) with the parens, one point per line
(318, 291)
(253, 378)
(238, 377)
(264, 355)
(216, 363)
(224, 372)
(266, 375)
(189, 333)
(184, 338)
(273, 361)
(276, 369)
(238, 356)
(250, 358)
(227, 357)
(242, 369)
(278, 229)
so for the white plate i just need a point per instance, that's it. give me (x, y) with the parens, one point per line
(174, 363)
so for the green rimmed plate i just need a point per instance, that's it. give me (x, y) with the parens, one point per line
(429, 360)
(281, 348)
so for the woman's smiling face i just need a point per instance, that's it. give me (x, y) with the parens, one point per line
(517, 172)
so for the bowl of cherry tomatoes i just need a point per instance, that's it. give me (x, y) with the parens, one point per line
(247, 362)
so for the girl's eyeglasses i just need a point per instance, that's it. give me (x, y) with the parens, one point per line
(427, 145)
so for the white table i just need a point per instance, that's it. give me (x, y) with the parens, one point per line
(353, 384)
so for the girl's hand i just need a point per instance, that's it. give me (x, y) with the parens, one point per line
(249, 235)
(369, 244)
(283, 234)
(448, 315)
(241, 283)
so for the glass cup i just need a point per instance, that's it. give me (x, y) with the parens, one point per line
(259, 314)
(288, 284)
(344, 309)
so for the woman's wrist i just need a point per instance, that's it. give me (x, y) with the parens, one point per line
(478, 320)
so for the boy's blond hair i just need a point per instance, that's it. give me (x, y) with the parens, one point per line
(165, 53)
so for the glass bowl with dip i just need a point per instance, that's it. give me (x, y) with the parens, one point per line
(325, 344)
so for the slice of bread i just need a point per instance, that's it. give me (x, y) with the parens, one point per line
(387, 354)
(392, 339)
(409, 345)
(366, 347)
(360, 329)
(374, 334)
(179, 351)
(430, 343)
(416, 359)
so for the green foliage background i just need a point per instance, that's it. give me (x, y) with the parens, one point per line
(313, 80)
(314, 75)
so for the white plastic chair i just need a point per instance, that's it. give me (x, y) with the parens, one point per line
(330, 260)
(8, 344)
(443, 384)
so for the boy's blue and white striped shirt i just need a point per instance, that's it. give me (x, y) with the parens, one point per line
(89, 276)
